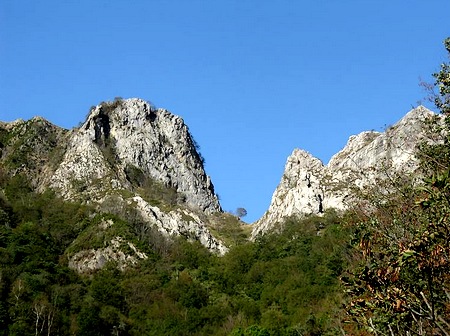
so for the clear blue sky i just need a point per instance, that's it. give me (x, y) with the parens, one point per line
(252, 79)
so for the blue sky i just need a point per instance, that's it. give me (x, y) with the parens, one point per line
(252, 79)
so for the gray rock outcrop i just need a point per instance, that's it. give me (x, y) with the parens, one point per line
(179, 222)
(131, 133)
(310, 187)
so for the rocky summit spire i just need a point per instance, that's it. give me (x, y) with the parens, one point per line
(122, 142)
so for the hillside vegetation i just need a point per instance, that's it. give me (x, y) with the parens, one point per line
(282, 284)
(381, 268)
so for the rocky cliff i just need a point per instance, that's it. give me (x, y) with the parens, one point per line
(126, 157)
(310, 187)
(130, 137)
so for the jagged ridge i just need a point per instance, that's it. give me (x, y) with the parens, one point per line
(310, 187)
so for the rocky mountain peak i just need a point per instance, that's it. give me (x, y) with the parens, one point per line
(128, 159)
(130, 135)
(310, 187)
(302, 172)
(130, 155)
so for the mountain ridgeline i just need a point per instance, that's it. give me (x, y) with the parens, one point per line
(114, 228)
(129, 157)
(367, 162)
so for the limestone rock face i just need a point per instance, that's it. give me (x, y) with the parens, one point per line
(298, 192)
(131, 133)
(127, 158)
(393, 149)
(116, 249)
(310, 187)
(179, 222)
(95, 259)
(124, 143)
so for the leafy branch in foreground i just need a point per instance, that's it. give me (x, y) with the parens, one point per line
(402, 286)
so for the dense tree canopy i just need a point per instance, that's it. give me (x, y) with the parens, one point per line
(283, 284)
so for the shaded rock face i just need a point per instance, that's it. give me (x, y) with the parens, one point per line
(369, 158)
(132, 133)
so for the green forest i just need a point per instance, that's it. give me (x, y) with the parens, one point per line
(380, 272)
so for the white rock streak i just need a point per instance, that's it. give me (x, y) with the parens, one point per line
(179, 222)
